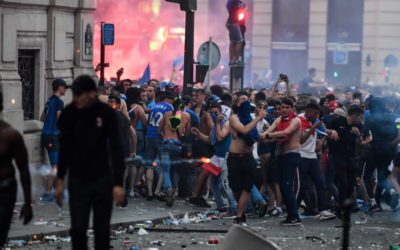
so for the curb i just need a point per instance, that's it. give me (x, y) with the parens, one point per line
(113, 226)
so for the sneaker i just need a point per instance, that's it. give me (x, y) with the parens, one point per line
(309, 213)
(239, 221)
(291, 222)
(149, 197)
(228, 215)
(395, 201)
(170, 198)
(365, 207)
(125, 201)
(262, 210)
(201, 202)
(131, 194)
(48, 197)
(158, 197)
(326, 215)
(222, 210)
(373, 209)
(275, 212)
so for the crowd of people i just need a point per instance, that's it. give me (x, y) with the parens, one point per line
(252, 151)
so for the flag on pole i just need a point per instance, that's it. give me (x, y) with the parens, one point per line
(146, 75)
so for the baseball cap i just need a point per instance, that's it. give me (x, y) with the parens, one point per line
(262, 102)
(330, 95)
(58, 82)
(333, 105)
(83, 84)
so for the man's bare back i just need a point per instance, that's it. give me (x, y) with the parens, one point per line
(184, 129)
(8, 147)
(12, 147)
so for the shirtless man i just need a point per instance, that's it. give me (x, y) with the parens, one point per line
(173, 126)
(241, 164)
(286, 129)
(12, 147)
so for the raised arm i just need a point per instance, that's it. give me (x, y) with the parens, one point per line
(222, 131)
(236, 124)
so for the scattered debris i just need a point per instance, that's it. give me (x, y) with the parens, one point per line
(142, 232)
(158, 242)
(315, 238)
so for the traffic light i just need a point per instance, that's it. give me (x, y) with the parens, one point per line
(186, 5)
(241, 15)
(335, 74)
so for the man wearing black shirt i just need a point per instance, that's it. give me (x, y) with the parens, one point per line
(343, 151)
(307, 85)
(88, 137)
(382, 127)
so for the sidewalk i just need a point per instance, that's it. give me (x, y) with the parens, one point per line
(50, 219)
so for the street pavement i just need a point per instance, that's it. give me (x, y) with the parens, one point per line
(378, 231)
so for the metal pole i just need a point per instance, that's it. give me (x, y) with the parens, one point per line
(189, 48)
(102, 57)
(209, 62)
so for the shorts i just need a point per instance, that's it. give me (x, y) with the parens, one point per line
(152, 150)
(396, 160)
(235, 34)
(241, 172)
(140, 143)
(51, 144)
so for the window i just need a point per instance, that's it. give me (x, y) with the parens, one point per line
(26, 70)
(345, 21)
(290, 20)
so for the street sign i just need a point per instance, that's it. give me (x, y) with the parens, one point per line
(203, 54)
(107, 33)
(340, 57)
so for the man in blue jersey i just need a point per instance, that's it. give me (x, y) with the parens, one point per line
(153, 141)
(50, 115)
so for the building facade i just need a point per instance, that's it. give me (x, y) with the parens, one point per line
(41, 40)
(348, 41)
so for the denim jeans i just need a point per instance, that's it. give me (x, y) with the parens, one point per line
(379, 159)
(330, 177)
(151, 149)
(140, 150)
(168, 152)
(311, 168)
(8, 196)
(220, 184)
(255, 197)
(288, 164)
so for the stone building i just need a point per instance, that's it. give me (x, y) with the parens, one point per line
(351, 42)
(41, 40)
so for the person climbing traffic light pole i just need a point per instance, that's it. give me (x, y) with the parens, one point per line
(235, 25)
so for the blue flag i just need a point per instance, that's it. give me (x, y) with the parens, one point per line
(146, 75)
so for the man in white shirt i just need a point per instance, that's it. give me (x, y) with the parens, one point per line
(309, 166)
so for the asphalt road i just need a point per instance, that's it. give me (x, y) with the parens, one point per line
(377, 231)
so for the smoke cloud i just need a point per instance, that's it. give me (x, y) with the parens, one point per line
(152, 32)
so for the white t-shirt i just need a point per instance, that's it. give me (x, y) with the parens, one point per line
(260, 130)
(307, 149)
(260, 124)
